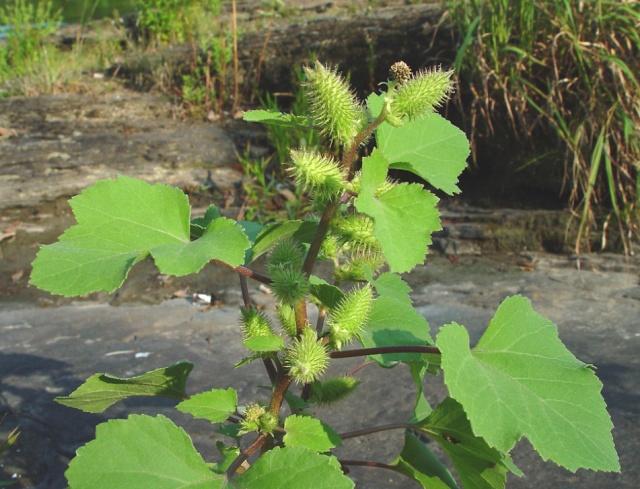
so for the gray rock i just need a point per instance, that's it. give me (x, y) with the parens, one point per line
(46, 350)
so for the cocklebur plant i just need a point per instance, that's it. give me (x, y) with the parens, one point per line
(518, 381)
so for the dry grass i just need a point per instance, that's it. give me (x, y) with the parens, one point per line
(569, 68)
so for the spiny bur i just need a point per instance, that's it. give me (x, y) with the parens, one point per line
(306, 358)
(356, 232)
(287, 253)
(333, 106)
(284, 267)
(333, 390)
(359, 267)
(317, 173)
(422, 93)
(255, 323)
(289, 285)
(287, 317)
(348, 319)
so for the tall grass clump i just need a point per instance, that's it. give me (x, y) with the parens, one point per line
(569, 69)
(26, 61)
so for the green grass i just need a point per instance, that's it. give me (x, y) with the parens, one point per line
(568, 69)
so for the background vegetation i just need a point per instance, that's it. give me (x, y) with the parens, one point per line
(560, 77)
(566, 70)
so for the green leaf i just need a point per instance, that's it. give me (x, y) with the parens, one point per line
(478, 465)
(228, 455)
(328, 295)
(430, 147)
(100, 391)
(404, 216)
(199, 224)
(302, 231)
(419, 463)
(275, 118)
(293, 468)
(264, 344)
(394, 322)
(311, 433)
(140, 451)
(120, 222)
(215, 405)
(520, 380)
(421, 409)
(391, 285)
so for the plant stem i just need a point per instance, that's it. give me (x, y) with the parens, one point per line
(246, 299)
(284, 381)
(246, 453)
(376, 429)
(368, 463)
(348, 160)
(247, 272)
(361, 352)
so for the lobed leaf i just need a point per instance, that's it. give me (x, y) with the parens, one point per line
(520, 380)
(141, 451)
(101, 391)
(120, 222)
(430, 147)
(404, 216)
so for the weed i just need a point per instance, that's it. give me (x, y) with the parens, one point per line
(25, 55)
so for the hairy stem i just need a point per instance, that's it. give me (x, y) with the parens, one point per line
(376, 429)
(361, 352)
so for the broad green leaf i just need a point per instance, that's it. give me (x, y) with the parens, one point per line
(120, 222)
(404, 216)
(215, 405)
(520, 380)
(309, 432)
(303, 231)
(293, 468)
(100, 391)
(394, 322)
(328, 295)
(478, 465)
(276, 118)
(223, 240)
(419, 463)
(264, 344)
(332, 390)
(252, 229)
(431, 147)
(140, 452)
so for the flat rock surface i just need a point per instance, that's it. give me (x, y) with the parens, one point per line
(48, 351)
(56, 145)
